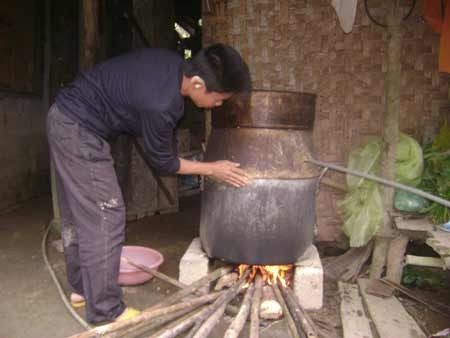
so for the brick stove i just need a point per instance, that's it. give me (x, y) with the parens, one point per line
(307, 281)
(269, 222)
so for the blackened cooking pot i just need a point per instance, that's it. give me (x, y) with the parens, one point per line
(270, 221)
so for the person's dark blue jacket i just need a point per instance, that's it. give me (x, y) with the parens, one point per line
(136, 94)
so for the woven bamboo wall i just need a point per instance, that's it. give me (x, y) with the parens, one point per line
(298, 45)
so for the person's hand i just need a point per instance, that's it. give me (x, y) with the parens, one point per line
(228, 172)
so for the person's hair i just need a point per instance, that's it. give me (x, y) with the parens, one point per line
(222, 68)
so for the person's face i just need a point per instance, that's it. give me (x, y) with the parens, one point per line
(205, 99)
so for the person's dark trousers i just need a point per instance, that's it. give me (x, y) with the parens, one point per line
(92, 214)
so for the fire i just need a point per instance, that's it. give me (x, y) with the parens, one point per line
(270, 273)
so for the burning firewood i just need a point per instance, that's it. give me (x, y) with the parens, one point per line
(226, 281)
(194, 287)
(254, 316)
(183, 311)
(214, 311)
(162, 309)
(270, 308)
(146, 316)
(239, 321)
(145, 327)
(300, 314)
(181, 325)
(293, 327)
(209, 324)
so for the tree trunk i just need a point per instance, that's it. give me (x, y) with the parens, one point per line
(390, 135)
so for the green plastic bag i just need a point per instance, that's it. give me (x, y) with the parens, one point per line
(409, 161)
(409, 202)
(362, 209)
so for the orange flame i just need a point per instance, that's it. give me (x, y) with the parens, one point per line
(270, 273)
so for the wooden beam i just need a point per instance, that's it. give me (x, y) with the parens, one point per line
(433, 262)
(355, 323)
(389, 316)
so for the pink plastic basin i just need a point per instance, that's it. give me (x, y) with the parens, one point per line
(129, 275)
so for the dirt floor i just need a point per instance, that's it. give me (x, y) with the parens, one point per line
(31, 307)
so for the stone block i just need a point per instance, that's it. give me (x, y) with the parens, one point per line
(194, 264)
(308, 279)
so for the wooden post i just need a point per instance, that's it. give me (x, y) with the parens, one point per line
(395, 258)
(56, 221)
(390, 136)
(89, 34)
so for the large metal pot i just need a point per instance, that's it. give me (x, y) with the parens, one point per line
(271, 221)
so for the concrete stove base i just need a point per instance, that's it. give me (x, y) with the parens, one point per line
(308, 273)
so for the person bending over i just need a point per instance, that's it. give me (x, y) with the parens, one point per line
(140, 94)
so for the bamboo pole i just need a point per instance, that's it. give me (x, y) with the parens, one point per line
(390, 136)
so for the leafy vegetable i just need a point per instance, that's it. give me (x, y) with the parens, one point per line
(424, 277)
(436, 175)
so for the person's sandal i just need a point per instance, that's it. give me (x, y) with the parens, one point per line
(127, 314)
(77, 301)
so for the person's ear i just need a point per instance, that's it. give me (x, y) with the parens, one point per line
(197, 82)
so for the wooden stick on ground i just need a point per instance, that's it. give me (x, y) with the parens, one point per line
(146, 316)
(256, 301)
(295, 312)
(181, 326)
(436, 307)
(155, 273)
(139, 329)
(231, 310)
(239, 321)
(193, 287)
(206, 328)
(306, 321)
(287, 314)
(178, 327)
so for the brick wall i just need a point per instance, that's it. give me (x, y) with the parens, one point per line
(298, 45)
(23, 150)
